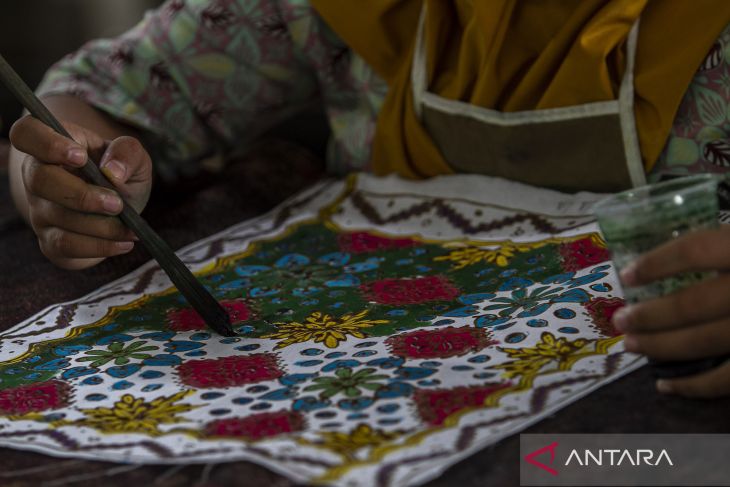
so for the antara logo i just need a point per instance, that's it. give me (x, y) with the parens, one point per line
(604, 457)
(619, 457)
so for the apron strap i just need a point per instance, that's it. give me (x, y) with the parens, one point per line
(419, 82)
(632, 149)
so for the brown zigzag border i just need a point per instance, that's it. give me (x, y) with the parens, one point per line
(161, 451)
(454, 217)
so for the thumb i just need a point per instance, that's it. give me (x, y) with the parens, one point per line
(712, 383)
(128, 166)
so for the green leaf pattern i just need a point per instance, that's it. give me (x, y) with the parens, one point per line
(118, 353)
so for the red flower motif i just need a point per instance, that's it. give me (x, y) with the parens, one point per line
(601, 311)
(411, 290)
(581, 254)
(229, 371)
(32, 398)
(434, 406)
(187, 319)
(258, 426)
(362, 242)
(439, 343)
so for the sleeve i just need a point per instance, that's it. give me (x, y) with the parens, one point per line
(196, 76)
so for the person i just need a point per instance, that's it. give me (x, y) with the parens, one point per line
(573, 95)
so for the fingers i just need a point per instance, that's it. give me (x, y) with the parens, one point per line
(703, 302)
(128, 166)
(713, 383)
(55, 184)
(46, 214)
(58, 244)
(688, 343)
(72, 218)
(703, 250)
(33, 137)
(80, 240)
(125, 159)
(689, 324)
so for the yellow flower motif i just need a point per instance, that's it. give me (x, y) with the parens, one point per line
(323, 328)
(530, 360)
(134, 415)
(346, 444)
(501, 256)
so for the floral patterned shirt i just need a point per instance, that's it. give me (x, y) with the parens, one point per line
(207, 76)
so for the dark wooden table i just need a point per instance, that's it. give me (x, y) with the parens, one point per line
(29, 283)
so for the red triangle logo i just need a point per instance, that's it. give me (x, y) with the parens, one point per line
(530, 458)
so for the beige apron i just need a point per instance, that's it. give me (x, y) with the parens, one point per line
(592, 147)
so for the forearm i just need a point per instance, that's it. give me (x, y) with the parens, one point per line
(70, 109)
